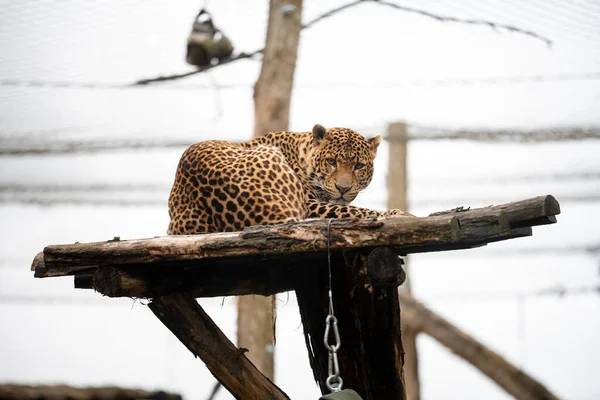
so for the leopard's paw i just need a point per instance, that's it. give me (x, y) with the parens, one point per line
(395, 212)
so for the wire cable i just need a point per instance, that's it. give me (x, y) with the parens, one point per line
(458, 81)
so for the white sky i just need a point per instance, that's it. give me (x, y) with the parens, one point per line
(363, 68)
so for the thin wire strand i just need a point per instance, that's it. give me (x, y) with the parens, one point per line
(450, 81)
(444, 18)
(558, 291)
(329, 266)
(532, 18)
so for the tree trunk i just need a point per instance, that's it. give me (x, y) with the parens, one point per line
(273, 89)
(272, 96)
(365, 300)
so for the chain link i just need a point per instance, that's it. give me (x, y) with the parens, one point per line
(333, 382)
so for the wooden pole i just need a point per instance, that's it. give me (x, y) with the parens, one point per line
(182, 314)
(397, 182)
(272, 97)
(365, 296)
(273, 89)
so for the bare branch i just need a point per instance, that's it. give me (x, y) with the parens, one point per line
(336, 10)
(332, 12)
(440, 18)
(241, 56)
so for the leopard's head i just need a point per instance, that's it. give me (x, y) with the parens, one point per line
(342, 163)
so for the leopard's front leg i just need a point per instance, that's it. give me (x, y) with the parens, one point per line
(319, 209)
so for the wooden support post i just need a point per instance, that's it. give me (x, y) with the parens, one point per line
(256, 330)
(273, 89)
(366, 305)
(272, 97)
(397, 185)
(397, 179)
(182, 314)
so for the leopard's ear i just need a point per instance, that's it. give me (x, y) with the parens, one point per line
(319, 132)
(374, 142)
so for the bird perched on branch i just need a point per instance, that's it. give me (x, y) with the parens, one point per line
(206, 42)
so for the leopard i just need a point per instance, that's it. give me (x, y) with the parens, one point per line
(223, 186)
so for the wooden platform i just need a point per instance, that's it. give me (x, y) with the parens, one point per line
(217, 264)
(366, 272)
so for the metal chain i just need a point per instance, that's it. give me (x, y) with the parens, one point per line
(333, 382)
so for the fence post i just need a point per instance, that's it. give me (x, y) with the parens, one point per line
(397, 184)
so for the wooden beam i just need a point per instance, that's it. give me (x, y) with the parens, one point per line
(510, 378)
(299, 237)
(217, 264)
(64, 392)
(366, 305)
(265, 277)
(409, 234)
(182, 314)
(269, 274)
(541, 210)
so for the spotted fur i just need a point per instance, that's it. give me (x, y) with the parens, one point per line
(221, 186)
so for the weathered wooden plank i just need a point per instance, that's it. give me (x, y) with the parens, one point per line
(407, 234)
(197, 331)
(40, 271)
(215, 280)
(264, 277)
(298, 237)
(269, 273)
(217, 264)
(541, 210)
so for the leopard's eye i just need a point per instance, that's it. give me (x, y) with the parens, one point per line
(330, 161)
(358, 166)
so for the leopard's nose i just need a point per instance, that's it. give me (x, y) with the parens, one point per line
(342, 188)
